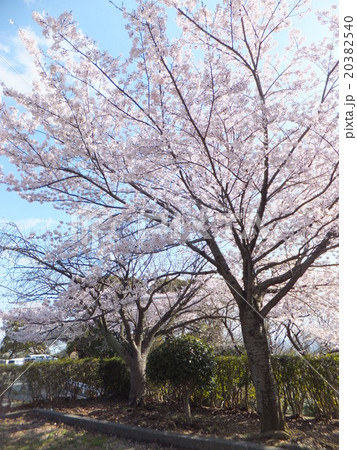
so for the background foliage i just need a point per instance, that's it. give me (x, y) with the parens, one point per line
(302, 390)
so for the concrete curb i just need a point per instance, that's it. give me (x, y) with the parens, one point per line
(147, 434)
(15, 414)
(150, 435)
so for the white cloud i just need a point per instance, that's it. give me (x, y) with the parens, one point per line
(4, 48)
(17, 69)
(36, 223)
(33, 223)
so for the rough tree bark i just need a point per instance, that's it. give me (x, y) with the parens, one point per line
(256, 343)
(137, 368)
(135, 357)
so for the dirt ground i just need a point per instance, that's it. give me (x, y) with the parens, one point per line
(30, 432)
(241, 425)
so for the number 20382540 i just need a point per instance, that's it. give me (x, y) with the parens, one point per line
(348, 47)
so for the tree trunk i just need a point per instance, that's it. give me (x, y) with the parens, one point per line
(186, 403)
(137, 368)
(256, 344)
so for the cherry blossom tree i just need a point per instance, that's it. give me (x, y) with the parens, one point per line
(307, 318)
(305, 321)
(61, 285)
(222, 132)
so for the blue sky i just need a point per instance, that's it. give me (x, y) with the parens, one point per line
(98, 19)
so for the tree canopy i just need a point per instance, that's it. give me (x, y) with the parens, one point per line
(221, 138)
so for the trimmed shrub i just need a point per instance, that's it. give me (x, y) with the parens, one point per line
(289, 374)
(66, 378)
(233, 385)
(114, 376)
(322, 396)
(186, 362)
(8, 374)
(182, 361)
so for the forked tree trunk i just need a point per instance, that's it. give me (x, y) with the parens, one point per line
(135, 359)
(256, 344)
(137, 368)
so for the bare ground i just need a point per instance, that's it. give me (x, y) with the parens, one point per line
(241, 425)
(30, 432)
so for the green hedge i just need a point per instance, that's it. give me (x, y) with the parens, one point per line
(63, 378)
(8, 375)
(309, 384)
(233, 387)
(301, 388)
(114, 376)
(53, 380)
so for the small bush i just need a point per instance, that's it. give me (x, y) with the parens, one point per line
(309, 382)
(186, 362)
(114, 377)
(51, 380)
(301, 388)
